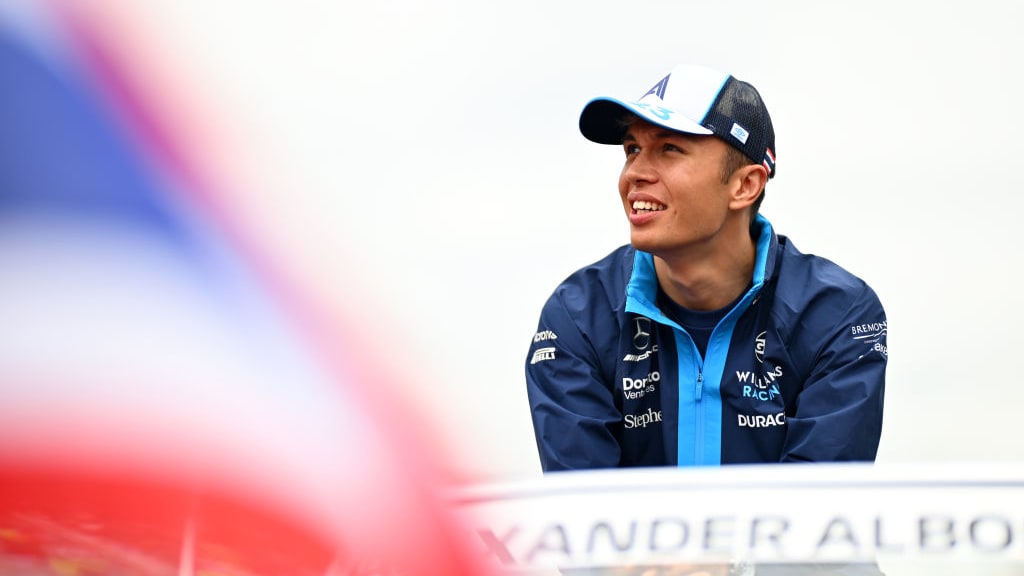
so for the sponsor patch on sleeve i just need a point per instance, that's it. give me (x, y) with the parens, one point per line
(544, 335)
(542, 354)
(873, 335)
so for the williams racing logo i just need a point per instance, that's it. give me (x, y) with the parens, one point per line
(761, 384)
(763, 387)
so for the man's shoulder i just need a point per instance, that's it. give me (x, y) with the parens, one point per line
(804, 277)
(602, 280)
(814, 270)
(616, 266)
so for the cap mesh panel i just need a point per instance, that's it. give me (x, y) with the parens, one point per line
(740, 103)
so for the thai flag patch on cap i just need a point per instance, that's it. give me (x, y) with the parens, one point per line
(769, 161)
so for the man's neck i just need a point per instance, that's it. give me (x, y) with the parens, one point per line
(708, 280)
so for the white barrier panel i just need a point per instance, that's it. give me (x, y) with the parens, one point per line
(752, 515)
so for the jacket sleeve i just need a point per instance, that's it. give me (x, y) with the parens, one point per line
(838, 413)
(571, 401)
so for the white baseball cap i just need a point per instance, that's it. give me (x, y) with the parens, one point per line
(693, 100)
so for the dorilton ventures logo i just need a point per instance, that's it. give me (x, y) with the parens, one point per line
(635, 388)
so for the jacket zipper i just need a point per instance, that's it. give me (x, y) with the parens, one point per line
(698, 449)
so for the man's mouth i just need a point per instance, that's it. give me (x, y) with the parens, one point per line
(642, 206)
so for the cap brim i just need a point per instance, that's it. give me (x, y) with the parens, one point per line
(601, 119)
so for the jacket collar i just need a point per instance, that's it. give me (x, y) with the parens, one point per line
(642, 288)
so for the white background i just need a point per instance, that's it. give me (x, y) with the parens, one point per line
(437, 172)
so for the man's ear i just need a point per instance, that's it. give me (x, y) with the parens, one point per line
(748, 182)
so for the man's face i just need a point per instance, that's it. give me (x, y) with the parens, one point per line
(672, 190)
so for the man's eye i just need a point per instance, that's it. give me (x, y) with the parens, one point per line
(631, 149)
(672, 148)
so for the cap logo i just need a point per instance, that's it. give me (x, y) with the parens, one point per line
(658, 89)
(740, 133)
(659, 112)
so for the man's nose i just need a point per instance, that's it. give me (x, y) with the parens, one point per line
(640, 169)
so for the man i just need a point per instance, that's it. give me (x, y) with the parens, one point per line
(710, 339)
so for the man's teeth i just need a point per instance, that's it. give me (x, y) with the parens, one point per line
(648, 206)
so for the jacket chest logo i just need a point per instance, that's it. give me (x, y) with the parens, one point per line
(641, 341)
(762, 383)
(642, 335)
(636, 388)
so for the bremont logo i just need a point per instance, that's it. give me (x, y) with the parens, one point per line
(870, 333)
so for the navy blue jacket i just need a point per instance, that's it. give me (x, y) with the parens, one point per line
(794, 372)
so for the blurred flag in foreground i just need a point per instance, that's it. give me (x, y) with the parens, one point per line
(170, 401)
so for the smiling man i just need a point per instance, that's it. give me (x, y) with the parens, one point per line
(709, 339)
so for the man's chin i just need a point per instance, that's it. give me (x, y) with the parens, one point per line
(643, 244)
